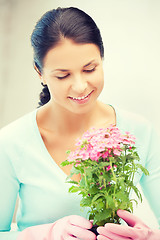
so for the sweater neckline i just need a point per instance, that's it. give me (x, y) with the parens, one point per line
(43, 147)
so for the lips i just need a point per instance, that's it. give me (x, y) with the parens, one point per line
(83, 99)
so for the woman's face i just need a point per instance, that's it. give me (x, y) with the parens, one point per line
(74, 75)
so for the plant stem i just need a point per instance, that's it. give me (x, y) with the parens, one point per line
(104, 180)
(114, 176)
(132, 176)
(115, 179)
(85, 178)
(125, 158)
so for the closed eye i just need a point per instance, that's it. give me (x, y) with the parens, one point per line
(62, 77)
(90, 70)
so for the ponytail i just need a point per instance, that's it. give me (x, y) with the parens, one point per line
(44, 96)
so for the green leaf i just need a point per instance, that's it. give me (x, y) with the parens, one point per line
(143, 169)
(75, 170)
(107, 176)
(100, 204)
(110, 201)
(103, 164)
(134, 200)
(88, 172)
(74, 189)
(103, 215)
(122, 196)
(137, 192)
(69, 177)
(91, 216)
(86, 202)
(93, 190)
(68, 151)
(72, 181)
(130, 206)
(123, 205)
(82, 182)
(128, 167)
(65, 163)
(98, 195)
(112, 159)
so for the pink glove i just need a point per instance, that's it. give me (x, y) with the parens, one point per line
(136, 230)
(68, 228)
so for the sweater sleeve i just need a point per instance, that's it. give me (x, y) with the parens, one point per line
(148, 145)
(150, 184)
(9, 187)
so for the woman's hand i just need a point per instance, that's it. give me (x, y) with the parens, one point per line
(136, 229)
(68, 228)
(71, 228)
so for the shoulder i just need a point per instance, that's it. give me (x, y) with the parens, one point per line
(137, 125)
(147, 137)
(18, 129)
(132, 121)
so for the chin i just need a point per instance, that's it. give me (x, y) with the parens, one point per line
(83, 109)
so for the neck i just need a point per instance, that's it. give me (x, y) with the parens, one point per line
(64, 122)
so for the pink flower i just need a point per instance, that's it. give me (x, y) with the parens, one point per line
(72, 156)
(117, 152)
(105, 154)
(84, 155)
(94, 155)
(128, 138)
(101, 143)
(108, 168)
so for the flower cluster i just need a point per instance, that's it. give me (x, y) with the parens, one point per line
(101, 143)
(107, 162)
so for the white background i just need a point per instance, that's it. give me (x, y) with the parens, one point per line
(131, 35)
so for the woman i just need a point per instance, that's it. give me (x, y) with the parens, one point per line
(68, 57)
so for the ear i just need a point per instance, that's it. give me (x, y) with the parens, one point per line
(39, 74)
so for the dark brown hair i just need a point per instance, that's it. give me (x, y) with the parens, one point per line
(71, 23)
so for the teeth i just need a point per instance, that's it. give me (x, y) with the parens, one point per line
(80, 98)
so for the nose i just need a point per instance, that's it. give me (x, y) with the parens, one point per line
(79, 84)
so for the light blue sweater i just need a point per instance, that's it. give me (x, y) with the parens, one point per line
(27, 169)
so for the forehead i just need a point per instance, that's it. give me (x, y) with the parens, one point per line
(68, 54)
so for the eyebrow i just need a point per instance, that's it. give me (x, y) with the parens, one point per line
(89, 63)
(66, 70)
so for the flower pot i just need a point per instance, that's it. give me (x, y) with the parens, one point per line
(94, 230)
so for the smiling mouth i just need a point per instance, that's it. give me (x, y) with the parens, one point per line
(81, 98)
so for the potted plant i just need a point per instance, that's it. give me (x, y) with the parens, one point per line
(107, 162)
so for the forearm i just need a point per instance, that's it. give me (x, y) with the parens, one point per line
(39, 232)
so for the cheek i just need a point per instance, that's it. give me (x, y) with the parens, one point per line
(54, 90)
(98, 79)
(58, 90)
